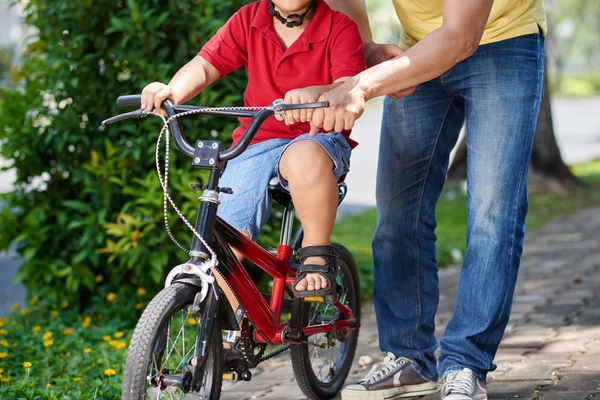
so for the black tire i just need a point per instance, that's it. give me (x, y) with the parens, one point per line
(148, 331)
(308, 381)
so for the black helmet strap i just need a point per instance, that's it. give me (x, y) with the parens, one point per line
(292, 20)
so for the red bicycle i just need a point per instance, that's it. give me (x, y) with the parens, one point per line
(211, 322)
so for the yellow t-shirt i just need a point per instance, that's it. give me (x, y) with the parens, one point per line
(508, 19)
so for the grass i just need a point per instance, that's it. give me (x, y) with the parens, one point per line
(356, 231)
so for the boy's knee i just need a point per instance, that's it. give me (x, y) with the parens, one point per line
(305, 158)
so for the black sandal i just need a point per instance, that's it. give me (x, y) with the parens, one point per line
(327, 271)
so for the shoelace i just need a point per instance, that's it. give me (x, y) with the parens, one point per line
(461, 382)
(389, 363)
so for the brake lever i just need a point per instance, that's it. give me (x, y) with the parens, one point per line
(138, 114)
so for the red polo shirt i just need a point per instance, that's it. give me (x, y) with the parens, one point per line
(329, 48)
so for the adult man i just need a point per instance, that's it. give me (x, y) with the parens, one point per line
(479, 61)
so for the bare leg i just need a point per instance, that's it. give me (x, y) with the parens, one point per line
(309, 172)
(236, 253)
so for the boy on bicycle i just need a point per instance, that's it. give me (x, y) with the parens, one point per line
(284, 45)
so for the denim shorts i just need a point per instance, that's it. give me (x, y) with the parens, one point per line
(249, 207)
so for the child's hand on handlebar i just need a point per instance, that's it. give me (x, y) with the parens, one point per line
(153, 96)
(301, 96)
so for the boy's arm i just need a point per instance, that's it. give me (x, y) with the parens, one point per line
(190, 80)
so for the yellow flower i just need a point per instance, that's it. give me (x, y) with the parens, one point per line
(139, 306)
(27, 364)
(77, 379)
(86, 322)
(99, 278)
(109, 372)
(3, 343)
(67, 331)
(54, 313)
(121, 345)
(3, 354)
(113, 343)
(34, 300)
(47, 335)
(1, 371)
(111, 297)
(3, 331)
(106, 338)
(48, 385)
(65, 304)
(4, 380)
(141, 291)
(191, 321)
(1, 322)
(37, 328)
(14, 307)
(119, 334)
(48, 343)
(24, 311)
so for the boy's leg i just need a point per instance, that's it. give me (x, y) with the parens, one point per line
(312, 167)
(248, 175)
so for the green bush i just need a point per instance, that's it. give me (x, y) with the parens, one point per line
(86, 200)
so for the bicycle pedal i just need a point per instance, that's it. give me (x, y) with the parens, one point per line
(230, 376)
(329, 299)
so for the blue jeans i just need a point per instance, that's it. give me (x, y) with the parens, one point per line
(498, 92)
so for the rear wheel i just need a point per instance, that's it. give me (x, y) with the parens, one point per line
(161, 355)
(322, 364)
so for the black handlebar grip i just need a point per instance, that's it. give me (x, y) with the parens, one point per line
(131, 101)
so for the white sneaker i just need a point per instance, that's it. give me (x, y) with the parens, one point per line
(463, 385)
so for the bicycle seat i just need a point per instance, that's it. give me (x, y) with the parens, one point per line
(278, 193)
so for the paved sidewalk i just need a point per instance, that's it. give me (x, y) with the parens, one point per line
(551, 349)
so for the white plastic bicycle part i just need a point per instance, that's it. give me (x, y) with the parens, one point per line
(279, 113)
(201, 271)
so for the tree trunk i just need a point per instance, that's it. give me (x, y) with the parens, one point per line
(547, 166)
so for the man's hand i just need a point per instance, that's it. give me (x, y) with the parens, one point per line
(376, 53)
(300, 96)
(346, 105)
(153, 96)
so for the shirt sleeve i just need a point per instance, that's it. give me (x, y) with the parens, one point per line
(346, 54)
(227, 49)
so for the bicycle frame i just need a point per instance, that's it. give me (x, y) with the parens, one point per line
(266, 317)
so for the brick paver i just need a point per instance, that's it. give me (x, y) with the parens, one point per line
(551, 349)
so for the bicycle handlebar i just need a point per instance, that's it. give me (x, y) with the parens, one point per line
(134, 101)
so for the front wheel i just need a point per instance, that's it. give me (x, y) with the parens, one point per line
(162, 351)
(322, 364)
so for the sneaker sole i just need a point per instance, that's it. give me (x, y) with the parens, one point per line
(393, 393)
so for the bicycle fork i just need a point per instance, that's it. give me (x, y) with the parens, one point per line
(206, 330)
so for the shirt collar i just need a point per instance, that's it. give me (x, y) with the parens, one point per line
(317, 30)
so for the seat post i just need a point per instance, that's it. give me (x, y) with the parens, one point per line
(287, 225)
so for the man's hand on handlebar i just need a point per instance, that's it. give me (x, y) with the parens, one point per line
(153, 95)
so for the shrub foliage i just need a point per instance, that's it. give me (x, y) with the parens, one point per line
(86, 200)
